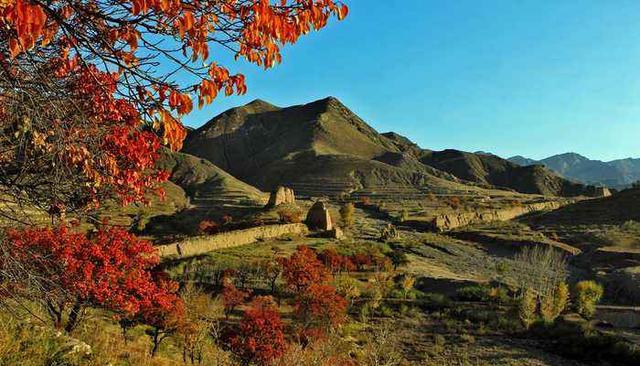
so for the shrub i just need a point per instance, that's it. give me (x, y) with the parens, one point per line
(527, 308)
(208, 227)
(588, 294)
(454, 202)
(346, 214)
(473, 293)
(389, 232)
(290, 215)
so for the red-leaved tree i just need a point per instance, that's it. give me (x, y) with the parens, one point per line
(232, 297)
(68, 271)
(260, 337)
(321, 306)
(86, 85)
(303, 269)
(317, 304)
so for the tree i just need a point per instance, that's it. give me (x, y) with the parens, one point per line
(232, 297)
(588, 294)
(331, 259)
(164, 320)
(201, 321)
(303, 269)
(67, 271)
(320, 306)
(398, 258)
(208, 227)
(64, 64)
(407, 284)
(346, 213)
(260, 336)
(271, 270)
(527, 308)
(540, 269)
(554, 304)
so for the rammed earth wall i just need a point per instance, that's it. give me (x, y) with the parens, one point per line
(205, 244)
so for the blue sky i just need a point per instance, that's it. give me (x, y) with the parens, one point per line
(533, 78)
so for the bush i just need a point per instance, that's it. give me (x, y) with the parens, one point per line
(435, 302)
(208, 227)
(527, 308)
(454, 202)
(553, 305)
(473, 293)
(290, 215)
(588, 294)
(346, 214)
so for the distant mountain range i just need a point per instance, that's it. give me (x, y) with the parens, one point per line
(615, 174)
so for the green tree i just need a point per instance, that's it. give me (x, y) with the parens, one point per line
(588, 294)
(346, 213)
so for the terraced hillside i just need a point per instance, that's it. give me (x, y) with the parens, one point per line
(207, 185)
(323, 148)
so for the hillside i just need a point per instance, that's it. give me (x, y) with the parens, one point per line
(318, 148)
(616, 174)
(205, 184)
(493, 170)
(323, 148)
(614, 210)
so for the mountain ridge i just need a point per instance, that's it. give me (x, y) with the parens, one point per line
(619, 174)
(324, 144)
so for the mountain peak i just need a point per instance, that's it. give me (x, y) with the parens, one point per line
(568, 156)
(259, 105)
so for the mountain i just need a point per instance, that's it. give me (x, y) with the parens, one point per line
(615, 174)
(323, 148)
(522, 161)
(490, 169)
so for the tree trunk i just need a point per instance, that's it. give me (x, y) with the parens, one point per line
(73, 317)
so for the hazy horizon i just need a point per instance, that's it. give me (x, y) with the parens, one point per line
(508, 78)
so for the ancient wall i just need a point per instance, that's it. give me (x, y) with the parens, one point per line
(205, 244)
(619, 316)
(453, 220)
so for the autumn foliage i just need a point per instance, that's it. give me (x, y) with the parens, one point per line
(303, 269)
(232, 297)
(260, 338)
(317, 304)
(84, 104)
(68, 271)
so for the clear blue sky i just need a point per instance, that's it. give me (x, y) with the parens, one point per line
(534, 77)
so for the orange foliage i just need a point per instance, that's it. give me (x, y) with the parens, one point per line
(121, 35)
